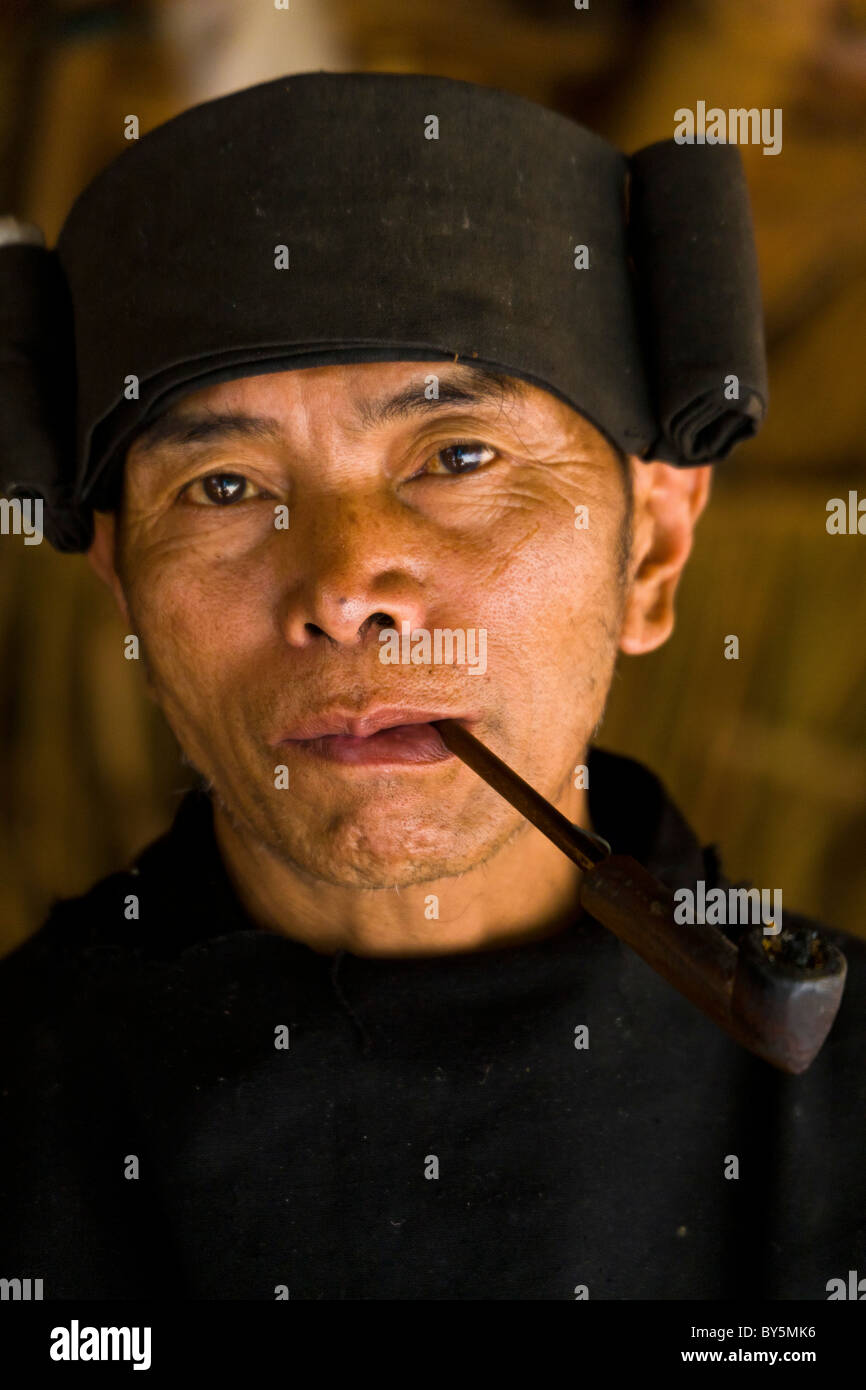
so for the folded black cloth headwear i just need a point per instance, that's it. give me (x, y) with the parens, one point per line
(406, 238)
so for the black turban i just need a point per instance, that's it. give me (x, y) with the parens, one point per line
(358, 217)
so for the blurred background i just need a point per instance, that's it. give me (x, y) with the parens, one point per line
(767, 754)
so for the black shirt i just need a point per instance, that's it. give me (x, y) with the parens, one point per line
(430, 1131)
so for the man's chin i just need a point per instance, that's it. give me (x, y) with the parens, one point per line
(375, 876)
(348, 859)
(393, 839)
(364, 852)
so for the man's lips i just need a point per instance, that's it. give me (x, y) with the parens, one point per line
(381, 736)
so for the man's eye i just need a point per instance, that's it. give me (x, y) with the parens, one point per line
(459, 458)
(217, 490)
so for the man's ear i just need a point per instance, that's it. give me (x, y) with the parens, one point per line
(101, 557)
(667, 504)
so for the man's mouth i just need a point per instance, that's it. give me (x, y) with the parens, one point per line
(383, 736)
(404, 743)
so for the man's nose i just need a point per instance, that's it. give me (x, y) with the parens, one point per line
(356, 566)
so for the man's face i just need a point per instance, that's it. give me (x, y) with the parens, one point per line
(449, 513)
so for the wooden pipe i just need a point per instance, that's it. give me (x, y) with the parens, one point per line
(776, 996)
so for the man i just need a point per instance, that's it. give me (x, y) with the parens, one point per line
(343, 1031)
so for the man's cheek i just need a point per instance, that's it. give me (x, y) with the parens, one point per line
(179, 642)
(559, 581)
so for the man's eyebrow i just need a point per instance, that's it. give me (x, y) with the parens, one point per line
(205, 428)
(480, 386)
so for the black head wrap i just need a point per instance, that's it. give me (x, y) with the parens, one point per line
(421, 218)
